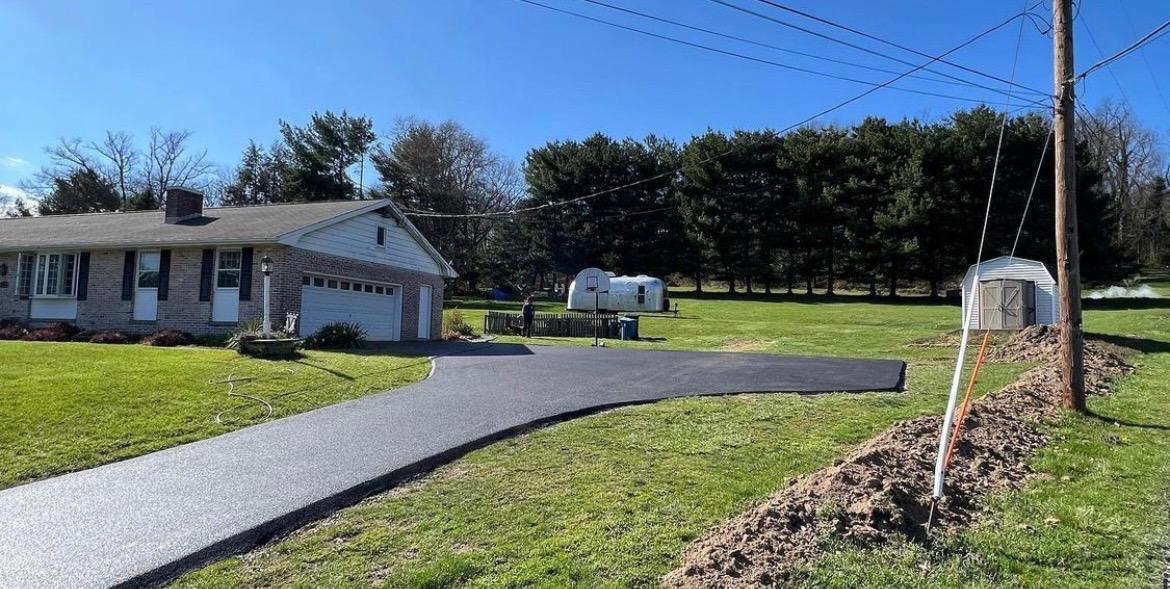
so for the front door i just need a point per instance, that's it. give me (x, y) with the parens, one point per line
(424, 312)
(146, 287)
(225, 302)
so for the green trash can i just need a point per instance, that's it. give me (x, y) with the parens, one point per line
(629, 328)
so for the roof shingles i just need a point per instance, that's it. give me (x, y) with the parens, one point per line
(257, 224)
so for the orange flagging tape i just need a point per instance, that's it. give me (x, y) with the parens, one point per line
(967, 399)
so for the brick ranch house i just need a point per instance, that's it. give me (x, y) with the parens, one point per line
(199, 270)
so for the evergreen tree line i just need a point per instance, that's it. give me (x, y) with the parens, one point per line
(873, 206)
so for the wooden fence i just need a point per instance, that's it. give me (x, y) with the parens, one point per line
(554, 324)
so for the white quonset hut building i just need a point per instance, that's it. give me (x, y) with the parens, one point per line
(1012, 293)
(617, 293)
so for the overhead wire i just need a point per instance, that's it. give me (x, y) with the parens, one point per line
(1145, 59)
(1101, 54)
(1148, 38)
(671, 172)
(862, 48)
(766, 45)
(872, 37)
(745, 56)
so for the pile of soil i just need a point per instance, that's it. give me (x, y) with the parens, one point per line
(882, 489)
(1041, 343)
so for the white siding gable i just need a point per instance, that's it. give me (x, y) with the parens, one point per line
(1013, 268)
(356, 238)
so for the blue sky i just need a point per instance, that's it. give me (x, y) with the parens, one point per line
(515, 74)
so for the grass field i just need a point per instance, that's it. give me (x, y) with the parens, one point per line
(69, 406)
(611, 500)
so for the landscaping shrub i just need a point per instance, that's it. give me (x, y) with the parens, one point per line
(110, 336)
(337, 336)
(54, 332)
(253, 330)
(169, 338)
(12, 331)
(456, 327)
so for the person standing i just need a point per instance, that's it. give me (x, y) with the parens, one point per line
(528, 313)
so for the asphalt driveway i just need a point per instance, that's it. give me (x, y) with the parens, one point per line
(147, 519)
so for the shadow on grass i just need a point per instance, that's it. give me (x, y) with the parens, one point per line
(1143, 345)
(816, 299)
(1113, 420)
(322, 368)
(1126, 304)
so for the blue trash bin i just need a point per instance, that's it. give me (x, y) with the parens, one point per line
(629, 328)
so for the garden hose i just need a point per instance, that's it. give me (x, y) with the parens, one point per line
(231, 381)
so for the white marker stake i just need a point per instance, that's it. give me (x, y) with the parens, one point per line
(944, 437)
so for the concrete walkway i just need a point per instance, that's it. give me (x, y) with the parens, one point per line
(148, 519)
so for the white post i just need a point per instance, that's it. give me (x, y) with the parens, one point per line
(267, 318)
(944, 437)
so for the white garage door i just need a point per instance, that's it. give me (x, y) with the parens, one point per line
(376, 307)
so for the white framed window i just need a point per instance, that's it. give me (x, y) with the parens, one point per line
(227, 269)
(148, 269)
(380, 236)
(47, 275)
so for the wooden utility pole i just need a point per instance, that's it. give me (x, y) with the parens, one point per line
(1068, 265)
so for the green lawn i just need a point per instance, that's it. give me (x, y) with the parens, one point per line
(613, 499)
(838, 326)
(69, 406)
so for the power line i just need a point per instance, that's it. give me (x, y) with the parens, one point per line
(860, 47)
(1101, 54)
(872, 37)
(497, 214)
(1145, 59)
(768, 45)
(750, 57)
(1147, 39)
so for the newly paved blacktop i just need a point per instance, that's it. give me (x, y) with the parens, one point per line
(145, 520)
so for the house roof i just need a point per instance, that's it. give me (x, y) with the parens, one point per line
(217, 226)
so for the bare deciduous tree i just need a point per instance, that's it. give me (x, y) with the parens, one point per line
(1131, 158)
(121, 161)
(169, 161)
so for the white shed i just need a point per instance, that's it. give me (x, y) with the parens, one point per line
(1012, 293)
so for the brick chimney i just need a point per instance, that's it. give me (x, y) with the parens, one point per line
(183, 204)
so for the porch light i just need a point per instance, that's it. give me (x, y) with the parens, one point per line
(266, 270)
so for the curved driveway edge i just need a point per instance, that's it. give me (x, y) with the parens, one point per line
(146, 520)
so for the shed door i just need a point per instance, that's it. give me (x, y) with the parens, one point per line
(1012, 304)
(990, 316)
(1007, 304)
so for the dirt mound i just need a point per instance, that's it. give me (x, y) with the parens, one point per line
(882, 489)
(1040, 343)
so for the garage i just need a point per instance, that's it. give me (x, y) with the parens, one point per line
(377, 307)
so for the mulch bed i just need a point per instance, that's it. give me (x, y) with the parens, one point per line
(882, 489)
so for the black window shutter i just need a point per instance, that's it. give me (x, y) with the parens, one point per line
(164, 274)
(83, 276)
(246, 274)
(129, 268)
(205, 271)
